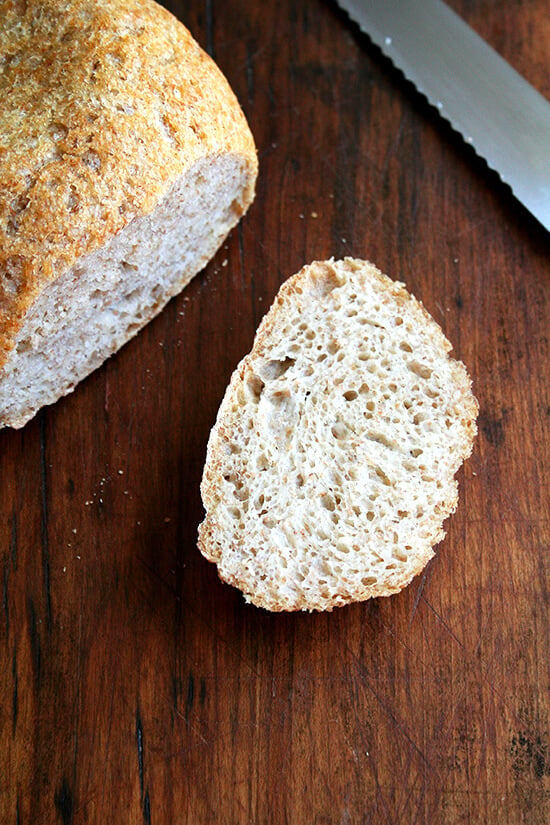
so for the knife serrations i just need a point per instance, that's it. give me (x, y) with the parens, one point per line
(490, 104)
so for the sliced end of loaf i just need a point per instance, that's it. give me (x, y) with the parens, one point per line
(95, 307)
(330, 469)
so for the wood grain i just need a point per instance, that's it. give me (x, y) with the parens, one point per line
(136, 688)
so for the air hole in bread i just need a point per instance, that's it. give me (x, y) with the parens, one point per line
(382, 476)
(281, 398)
(275, 368)
(380, 438)
(364, 321)
(339, 430)
(419, 369)
(255, 386)
(327, 502)
(262, 462)
(24, 346)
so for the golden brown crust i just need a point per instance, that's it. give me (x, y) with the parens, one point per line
(105, 104)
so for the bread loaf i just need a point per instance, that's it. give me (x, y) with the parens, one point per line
(125, 160)
(330, 469)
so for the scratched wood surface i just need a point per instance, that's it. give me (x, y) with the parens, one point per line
(134, 686)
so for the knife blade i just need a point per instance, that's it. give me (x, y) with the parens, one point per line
(491, 105)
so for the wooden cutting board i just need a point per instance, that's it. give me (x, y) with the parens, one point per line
(135, 687)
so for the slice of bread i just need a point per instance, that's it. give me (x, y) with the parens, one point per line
(125, 160)
(330, 468)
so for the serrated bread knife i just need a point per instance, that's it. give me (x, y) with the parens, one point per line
(495, 109)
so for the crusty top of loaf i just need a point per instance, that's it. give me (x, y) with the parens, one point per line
(104, 104)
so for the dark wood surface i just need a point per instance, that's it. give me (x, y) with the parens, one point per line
(135, 687)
